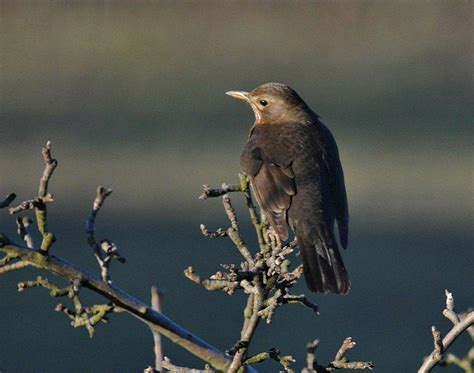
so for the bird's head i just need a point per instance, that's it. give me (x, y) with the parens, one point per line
(275, 103)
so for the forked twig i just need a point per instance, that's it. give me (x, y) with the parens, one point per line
(441, 345)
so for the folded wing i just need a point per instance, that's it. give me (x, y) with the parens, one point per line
(273, 186)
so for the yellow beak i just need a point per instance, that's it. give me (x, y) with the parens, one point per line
(239, 95)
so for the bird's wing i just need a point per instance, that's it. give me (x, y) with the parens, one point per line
(337, 186)
(272, 183)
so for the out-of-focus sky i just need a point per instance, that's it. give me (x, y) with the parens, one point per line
(132, 97)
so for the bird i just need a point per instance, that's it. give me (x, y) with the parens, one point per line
(292, 162)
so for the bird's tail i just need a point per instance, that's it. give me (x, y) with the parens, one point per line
(323, 267)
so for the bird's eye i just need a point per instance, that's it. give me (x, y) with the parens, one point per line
(263, 102)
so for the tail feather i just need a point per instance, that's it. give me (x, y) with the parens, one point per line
(323, 268)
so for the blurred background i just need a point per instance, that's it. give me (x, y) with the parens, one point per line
(131, 94)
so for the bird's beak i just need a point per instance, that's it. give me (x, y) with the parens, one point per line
(239, 95)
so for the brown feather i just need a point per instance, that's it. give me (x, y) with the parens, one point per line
(273, 190)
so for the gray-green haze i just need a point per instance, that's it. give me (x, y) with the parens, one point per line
(132, 96)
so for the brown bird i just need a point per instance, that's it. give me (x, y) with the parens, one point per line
(292, 161)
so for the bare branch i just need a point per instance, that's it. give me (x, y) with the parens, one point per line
(106, 251)
(87, 317)
(229, 210)
(339, 362)
(257, 222)
(233, 231)
(157, 347)
(227, 286)
(310, 355)
(43, 197)
(240, 349)
(101, 194)
(456, 331)
(176, 369)
(460, 324)
(244, 187)
(448, 312)
(23, 229)
(300, 299)
(7, 200)
(54, 290)
(208, 192)
(216, 234)
(273, 353)
(438, 344)
(12, 267)
(241, 246)
(80, 316)
(50, 166)
(31, 204)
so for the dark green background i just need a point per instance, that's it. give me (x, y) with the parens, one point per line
(132, 96)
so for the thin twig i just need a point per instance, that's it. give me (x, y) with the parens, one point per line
(101, 194)
(106, 250)
(257, 222)
(208, 192)
(176, 369)
(43, 197)
(50, 166)
(216, 234)
(311, 356)
(340, 361)
(80, 316)
(157, 346)
(7, 200)
(31, 204)
(227, 285)
(442, 344)
(248, 330)
(229, 210)
(12, 267)
(274, 354)
(23, 229)
(450, 337)
(448, 312)
(54, 290)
